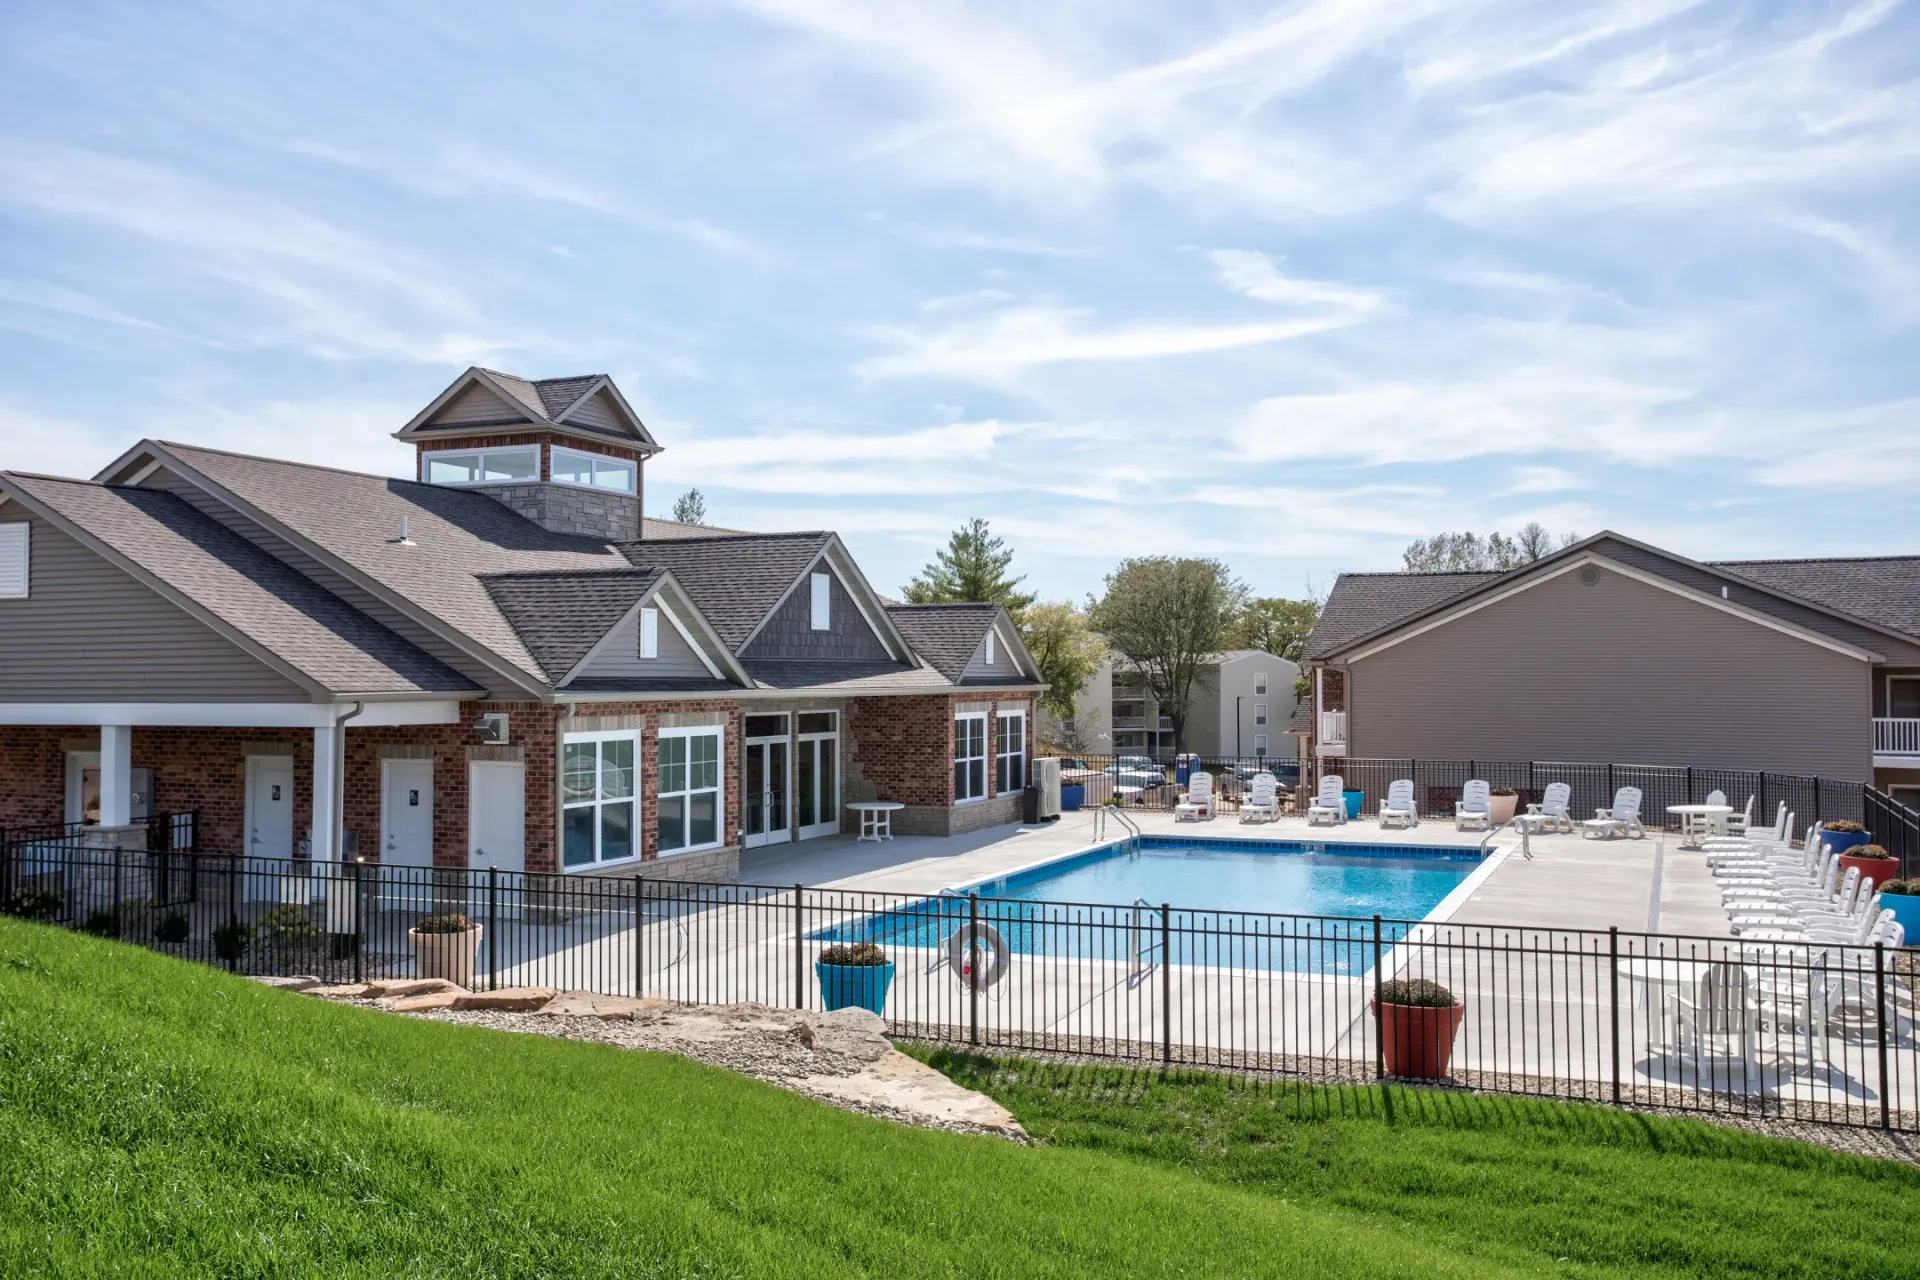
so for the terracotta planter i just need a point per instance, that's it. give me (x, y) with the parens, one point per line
(1503, 807)
(448, 956)
(1418, 1041)
(1878, 870)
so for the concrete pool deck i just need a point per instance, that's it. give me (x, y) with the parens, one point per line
(1647, 885)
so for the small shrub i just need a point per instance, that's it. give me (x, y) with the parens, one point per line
(344, 945)
(1503, 791)
(1911, 885)
(104, 923)
(1846, 826)
(35, 905)
(1869, 851)
(451, 922)
(231, 940)
(173, 929)
(286, 924)
(860, 954)
(1416, 993)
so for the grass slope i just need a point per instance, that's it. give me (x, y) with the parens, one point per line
(1517, 1183)
(157, 1118)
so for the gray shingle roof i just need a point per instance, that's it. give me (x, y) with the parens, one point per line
(946, 635)
(1362, 603)
(842, 676)
(561, 615)
(557, 395)
(1884, 590)
(459, 535)
(636, 684)
(260, 597)
(735, 580)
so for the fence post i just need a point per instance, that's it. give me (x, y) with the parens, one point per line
(970, 973)
(1609, 782)
(799, 949)
(358, 893)
(1166, 984)
(1689, 784)
(1816, 797)
(639, 936)
(1613, 967)
(493, 929)
(233, 905)
(119, 893)
(1379, 1025)
(1880, 1017)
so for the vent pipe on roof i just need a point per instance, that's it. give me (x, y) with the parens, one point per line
(403, 540)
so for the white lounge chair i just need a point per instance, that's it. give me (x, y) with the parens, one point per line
(1622, 816)
(1198, 806)
(1474, 808)
(1330, 803)
(1262, 802)
(1551, 813)
(1397, 810)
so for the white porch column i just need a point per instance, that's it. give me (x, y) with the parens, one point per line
(116, 775)
(328, 744)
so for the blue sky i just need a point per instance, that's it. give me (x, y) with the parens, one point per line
(1286, 285)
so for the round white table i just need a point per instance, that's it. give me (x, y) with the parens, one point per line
(876, 818)
(1697, 821)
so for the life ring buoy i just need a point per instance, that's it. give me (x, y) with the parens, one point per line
(990, 960)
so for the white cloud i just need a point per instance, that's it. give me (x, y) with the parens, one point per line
(1258, 276)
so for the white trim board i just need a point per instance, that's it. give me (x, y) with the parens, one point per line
(226, 715)
(1625, 571)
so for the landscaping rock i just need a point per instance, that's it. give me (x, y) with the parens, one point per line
(410, 987)
(300, 982)
(344, 991)
(427, 1000)
(584, 1004)
(507, 999)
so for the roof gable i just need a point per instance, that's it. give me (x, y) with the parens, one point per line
(949, 637)
(588, 405)
(735, 580)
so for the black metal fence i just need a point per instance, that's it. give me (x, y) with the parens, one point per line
(1797, 1030)
(1157, 783)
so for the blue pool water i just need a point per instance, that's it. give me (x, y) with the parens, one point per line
(1251, 904)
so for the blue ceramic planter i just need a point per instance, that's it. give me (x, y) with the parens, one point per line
(1906, 909)
(1841, 841)
(1072, 796)
(844, 986)
(1354, 800)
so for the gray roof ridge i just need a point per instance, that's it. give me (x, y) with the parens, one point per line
(738, 536)
(1734, 564)
(1425, 573)
(629, 571)
(295, 462)
(947, 604)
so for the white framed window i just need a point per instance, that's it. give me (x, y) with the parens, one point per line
(993, 638)
(822, 603)
(1009, 751)
(970, 756)
(1259, 713)
(15, 567)
(593, 470)
(519, 463)
(649, 632)
(599, 803)
(1260, 744)
(1260, 684)
(691, 812)
(1903, 697)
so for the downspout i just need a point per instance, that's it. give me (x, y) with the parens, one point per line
(338, 802)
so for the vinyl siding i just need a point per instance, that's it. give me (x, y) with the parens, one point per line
(621, 658)
(87, 632)
(1004, 667)
(307, 566)
(789, 632)
(1620, 671)
(598, 413)
(475, 405)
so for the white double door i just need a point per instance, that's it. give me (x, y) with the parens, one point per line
(790, 789)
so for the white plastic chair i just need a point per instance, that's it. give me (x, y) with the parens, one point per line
(1475, 806)
(1262, 802)
(1398, 808)
(1198, 806)
(1330, 803)
(1551, 813)
(1623, 816)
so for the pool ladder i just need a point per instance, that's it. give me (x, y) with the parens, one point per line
(1100, 815)
(1140, 950)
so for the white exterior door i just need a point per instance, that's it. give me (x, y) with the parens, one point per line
(764, 817)
(269, 806)
(406, 813)
(817, 785)
(497, 815)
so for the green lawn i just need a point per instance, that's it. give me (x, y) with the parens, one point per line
(157, 1118)
(1516, 1182)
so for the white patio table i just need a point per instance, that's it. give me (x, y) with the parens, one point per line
(876, 818)
(1698, 821)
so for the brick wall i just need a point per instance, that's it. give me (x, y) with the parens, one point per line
(904, 747)
(1333, 690)
(33, 774)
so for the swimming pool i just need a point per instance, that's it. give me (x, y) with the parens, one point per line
(1289, 905)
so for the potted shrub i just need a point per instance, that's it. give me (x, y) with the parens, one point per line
(1902, 897)
(1418, 1020)
(1503, 801)
(1841, 834)
(444, 947)
(852, 974)
(1874, 863)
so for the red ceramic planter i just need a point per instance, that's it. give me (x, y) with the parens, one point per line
(1418, 1042)
(1878, 870)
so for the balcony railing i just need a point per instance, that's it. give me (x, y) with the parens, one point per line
(1129, 722)
(1896, 737)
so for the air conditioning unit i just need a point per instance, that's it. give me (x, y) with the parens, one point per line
(1046, 780)
(491, 728)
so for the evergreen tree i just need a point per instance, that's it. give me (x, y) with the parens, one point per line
(691, 508)
(971, 568)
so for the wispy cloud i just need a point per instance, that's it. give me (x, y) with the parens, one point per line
(1258, 276)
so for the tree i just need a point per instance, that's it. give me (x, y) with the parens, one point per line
(1166, 617)
(1066, 651)
(1274, 625)
(691, 508)
(1468, 552)
(971, 568)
